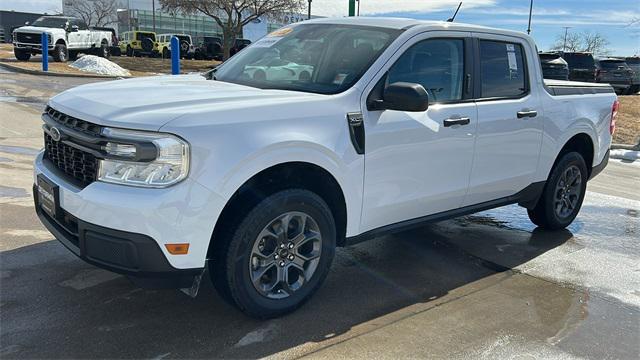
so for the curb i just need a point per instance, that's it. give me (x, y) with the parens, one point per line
(49, 73)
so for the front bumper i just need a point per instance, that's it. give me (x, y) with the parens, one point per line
(130, 227)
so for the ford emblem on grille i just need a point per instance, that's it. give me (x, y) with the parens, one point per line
(55, 134)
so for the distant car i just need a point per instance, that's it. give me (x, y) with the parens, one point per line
(554, 66)
(136, 43)
(238, 45)
(615, 72)
(634, 64)
(68, 36)
(209, 49)
(187, 50)
(582, 66)
(278, 70)
(114, 48)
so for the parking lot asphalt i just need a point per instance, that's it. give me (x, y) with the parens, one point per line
(489, 285)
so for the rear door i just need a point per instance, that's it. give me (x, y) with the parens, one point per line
(418, 163)
(509, 131)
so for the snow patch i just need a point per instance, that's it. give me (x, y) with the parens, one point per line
(629, 155)
(97, 65)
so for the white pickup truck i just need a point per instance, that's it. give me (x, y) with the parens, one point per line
(67, 36)
(258, 179)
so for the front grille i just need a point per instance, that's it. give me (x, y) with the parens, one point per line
(79, 165)
(29, 38)
(74, 123)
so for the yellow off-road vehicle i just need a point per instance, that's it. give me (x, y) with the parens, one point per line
(137, 43)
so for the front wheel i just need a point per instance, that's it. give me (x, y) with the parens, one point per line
(275, 258)
(22, 55)
(60, 53)
(563, 193)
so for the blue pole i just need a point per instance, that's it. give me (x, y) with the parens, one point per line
(175, 55)
(45, 52)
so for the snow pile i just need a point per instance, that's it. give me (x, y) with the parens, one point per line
(98, 65)
(628, 155)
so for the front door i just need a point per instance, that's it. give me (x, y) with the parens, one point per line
(509, 132)
(418, 163)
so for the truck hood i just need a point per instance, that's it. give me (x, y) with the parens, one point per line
(149, 103)
(39, 30)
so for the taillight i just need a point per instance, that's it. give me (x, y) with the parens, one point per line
(614, 115)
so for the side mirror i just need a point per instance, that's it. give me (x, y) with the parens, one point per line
(26, 23)
(404, 96)
(74, 28)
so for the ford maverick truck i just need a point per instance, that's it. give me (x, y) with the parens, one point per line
(321, 134)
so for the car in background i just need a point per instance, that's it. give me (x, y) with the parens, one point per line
(615, 72)
(278, 70)
(187, 50)
(137, 43)
(238, 45)
(582, 66)
(634, 64)
(114, 48)
(554, 66)
(209, 49)
(67, 37)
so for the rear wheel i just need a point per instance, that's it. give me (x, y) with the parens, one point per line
(563, 193)
(60, 53)
(129, 51)
(275, 258)
(22, 55)
(103, 51)
(165, 53)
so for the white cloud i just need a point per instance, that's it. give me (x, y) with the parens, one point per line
(375, 7)
(520, 11)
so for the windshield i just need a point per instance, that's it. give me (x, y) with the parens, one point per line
(580, 60)
(319, 58)
(51, 22)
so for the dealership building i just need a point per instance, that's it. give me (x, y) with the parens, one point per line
(147, 15)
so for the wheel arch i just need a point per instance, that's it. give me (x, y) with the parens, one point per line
(581, 143)
(286, 175)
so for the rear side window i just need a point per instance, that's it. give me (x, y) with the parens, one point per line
(502, 69)
(613, 65)
(436, 64)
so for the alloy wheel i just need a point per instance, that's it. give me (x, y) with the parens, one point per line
(567, 192)
(285, 255)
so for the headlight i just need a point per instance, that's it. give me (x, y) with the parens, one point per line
(169, 166)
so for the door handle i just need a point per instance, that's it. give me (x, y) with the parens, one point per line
(456, 121)
(527, 113)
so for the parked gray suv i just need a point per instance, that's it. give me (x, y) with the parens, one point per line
(615, 72)
(634, 64)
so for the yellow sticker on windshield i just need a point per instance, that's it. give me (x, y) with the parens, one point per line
(280, 32)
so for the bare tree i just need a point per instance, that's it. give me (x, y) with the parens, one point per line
(595, 43)
(95, 12)
(233, 15)
(572, 43)
(586, 41)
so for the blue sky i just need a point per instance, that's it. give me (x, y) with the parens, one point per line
(608, 17)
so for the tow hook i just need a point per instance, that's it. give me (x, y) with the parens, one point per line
(195, 286)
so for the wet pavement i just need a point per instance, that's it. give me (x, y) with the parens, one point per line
(489, 285)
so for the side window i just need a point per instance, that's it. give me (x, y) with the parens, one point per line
(436, 64)
(502, 69)
(82, 25)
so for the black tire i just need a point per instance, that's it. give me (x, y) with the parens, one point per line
(233, 254)
(147, 45)
(21, 55)
(547, 214)
(73, 55)
(104, 51)
(165, 53)
(129, 52)
(60, 53)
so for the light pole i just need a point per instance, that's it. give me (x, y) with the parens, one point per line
(564, 46)
(358, 13)
(309, 13)
(153, 15)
